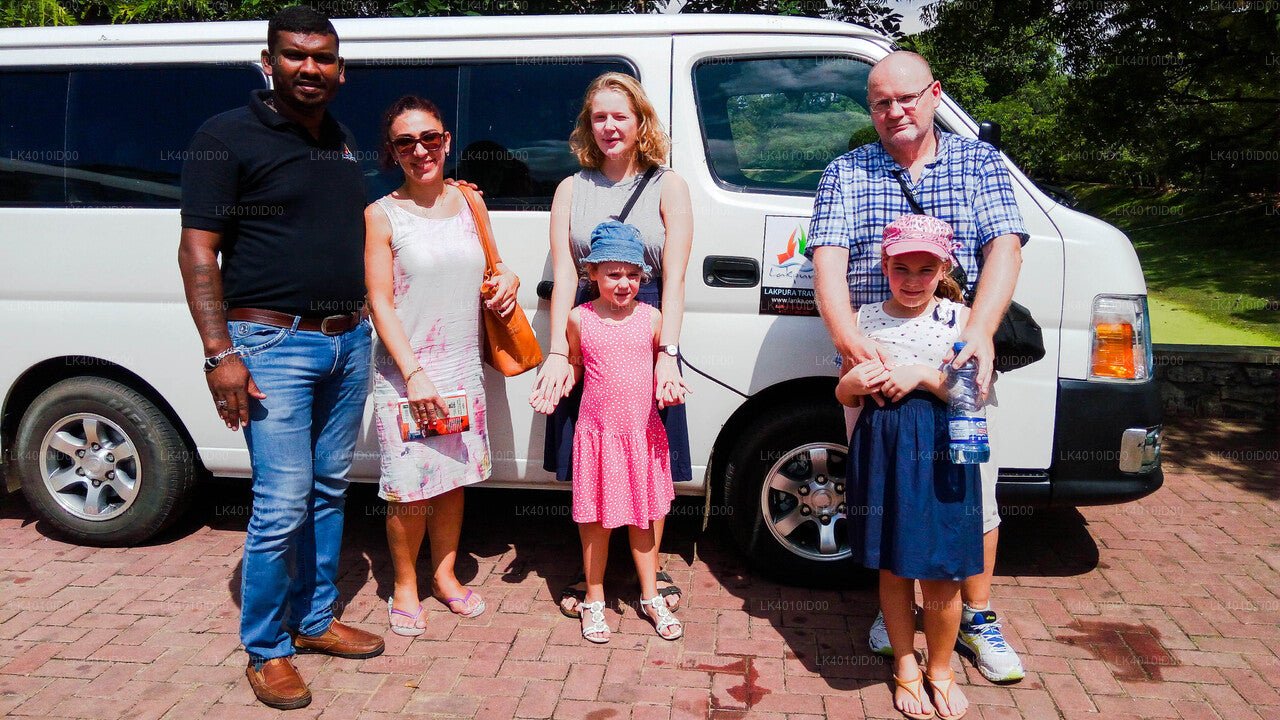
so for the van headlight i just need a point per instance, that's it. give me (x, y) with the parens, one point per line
(1121, 333)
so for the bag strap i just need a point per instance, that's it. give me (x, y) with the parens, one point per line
(635, 194)
(483, 229)
(911, 199)
(957, 272)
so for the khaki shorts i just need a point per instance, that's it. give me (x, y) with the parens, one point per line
(987, 471)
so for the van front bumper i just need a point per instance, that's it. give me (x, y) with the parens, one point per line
(1106, 443)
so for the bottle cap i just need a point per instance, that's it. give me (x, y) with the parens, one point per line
(957, 347)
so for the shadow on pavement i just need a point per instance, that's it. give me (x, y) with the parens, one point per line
(1045, 542)
(1245, 453)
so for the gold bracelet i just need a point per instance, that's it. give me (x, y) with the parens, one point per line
(411, 374)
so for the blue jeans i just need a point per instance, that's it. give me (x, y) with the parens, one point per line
(301, 440)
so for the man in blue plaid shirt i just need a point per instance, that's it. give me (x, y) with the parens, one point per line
(957, 179)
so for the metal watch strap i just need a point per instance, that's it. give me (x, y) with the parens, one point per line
(211, 363)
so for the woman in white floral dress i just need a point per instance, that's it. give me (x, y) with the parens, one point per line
(424, 267)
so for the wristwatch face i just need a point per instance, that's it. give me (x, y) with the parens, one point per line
(211, 363)
(671, 350)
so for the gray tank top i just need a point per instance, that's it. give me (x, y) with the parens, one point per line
(596, 199)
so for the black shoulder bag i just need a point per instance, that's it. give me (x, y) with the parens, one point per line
(1018, 339)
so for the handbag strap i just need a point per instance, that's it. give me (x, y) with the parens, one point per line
(957, 272)
(635, 194)
(483, 229)
(911, 199)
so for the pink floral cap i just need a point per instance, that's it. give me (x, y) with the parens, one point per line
(920, 233)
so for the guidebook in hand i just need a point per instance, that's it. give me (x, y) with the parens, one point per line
(458, 419)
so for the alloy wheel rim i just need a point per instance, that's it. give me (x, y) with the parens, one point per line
(90, 467)
(803, 502)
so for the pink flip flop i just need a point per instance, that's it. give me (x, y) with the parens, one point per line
(409, 631)
(474, 612)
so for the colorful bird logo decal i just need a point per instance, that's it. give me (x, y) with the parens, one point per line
(792, 248)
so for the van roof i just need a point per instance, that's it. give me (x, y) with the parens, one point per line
(354, 29)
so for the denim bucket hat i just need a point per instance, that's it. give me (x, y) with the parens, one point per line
(617, 241)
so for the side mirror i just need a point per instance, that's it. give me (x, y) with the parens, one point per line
(989, 132)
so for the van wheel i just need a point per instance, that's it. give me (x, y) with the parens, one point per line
(785, 482)
(101, 463)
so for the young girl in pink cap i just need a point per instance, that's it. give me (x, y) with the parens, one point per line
(913, 514)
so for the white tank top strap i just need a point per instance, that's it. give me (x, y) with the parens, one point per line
(395, 216)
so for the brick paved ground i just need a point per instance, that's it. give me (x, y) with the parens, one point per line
(1167, 607)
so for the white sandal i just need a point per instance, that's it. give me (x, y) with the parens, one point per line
(664, 620)
(597, 632)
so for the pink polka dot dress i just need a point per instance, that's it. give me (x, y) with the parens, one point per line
(621, 464)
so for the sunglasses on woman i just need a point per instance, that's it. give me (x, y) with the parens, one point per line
(430, 141)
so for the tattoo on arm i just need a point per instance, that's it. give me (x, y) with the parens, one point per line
(205, 298)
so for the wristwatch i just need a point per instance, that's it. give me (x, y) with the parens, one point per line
(672, 350)
(212, 363)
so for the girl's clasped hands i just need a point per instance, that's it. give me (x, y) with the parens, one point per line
(872, 377)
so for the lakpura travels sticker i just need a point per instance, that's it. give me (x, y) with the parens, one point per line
(786, 286)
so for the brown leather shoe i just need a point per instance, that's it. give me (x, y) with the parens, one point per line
(278, 684)
(341, 641)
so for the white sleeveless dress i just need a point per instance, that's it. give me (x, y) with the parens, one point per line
(438, 266)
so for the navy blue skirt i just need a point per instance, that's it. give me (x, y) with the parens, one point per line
(911, 511)
(557, 453)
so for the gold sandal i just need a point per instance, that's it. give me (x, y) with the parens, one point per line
(913, 689)
(949, 681)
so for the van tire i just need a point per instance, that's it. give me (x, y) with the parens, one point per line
(805, 439)
(90, 446)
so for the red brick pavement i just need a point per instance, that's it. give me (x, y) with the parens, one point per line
(1163, 608)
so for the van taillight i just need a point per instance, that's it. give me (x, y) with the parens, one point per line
(1121, 333)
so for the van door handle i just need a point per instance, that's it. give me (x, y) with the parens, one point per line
(729, 271)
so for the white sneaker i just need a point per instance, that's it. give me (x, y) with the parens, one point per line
(981, 640)
(878, 638)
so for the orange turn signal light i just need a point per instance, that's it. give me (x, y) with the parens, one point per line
(1113, 349)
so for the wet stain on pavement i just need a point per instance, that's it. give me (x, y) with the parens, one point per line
(736, 667)
(748, 692)
(1132, 651)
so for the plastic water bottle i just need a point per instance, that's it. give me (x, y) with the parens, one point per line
(966, 416)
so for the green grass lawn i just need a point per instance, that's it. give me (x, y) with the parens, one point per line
(1212, 262)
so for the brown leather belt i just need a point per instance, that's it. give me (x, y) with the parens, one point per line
(331, 325)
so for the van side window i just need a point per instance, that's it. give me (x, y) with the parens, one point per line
(514, 125)
(128, 128)
(773, 124)
(510, 121)
(33, 109)
(371, 87)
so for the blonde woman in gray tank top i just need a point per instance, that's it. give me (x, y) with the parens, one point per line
(618, 138)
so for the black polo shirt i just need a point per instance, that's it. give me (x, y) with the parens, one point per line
(290, 209)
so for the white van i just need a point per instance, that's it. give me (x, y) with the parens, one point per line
(106, 421)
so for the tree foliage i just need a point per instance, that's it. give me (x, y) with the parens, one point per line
(874, 14)
(1136, 91)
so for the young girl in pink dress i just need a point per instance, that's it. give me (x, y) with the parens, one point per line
(621, 462)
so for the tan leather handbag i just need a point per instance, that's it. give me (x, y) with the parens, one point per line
(509, 343)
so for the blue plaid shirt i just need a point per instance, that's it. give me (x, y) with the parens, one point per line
(967, 185)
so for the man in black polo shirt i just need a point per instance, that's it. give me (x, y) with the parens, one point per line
(275, 188)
